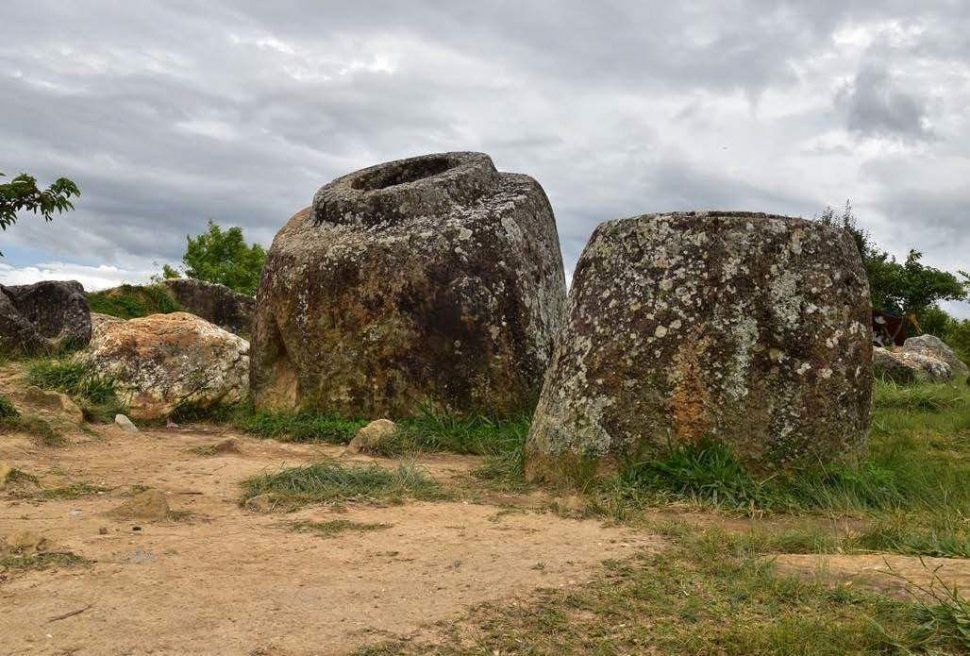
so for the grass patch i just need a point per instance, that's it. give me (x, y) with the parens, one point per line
(133, 301)
(329, 481)
(7, 409)
(919, 462)
(95, 394)
(335, 527)
(73, 491)
(703, 595)
(475, 435)
(299, 427)
(41, 561)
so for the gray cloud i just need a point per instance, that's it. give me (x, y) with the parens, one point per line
(169, 113)
(877, 106)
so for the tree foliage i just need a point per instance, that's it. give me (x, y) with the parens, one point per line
(904, 288)
(22, 194)
(222, 256)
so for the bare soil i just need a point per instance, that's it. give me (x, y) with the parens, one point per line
(216, 578)
(900, 576)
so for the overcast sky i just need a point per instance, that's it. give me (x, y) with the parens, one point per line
(168, 113)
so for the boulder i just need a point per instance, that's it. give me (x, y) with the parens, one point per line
(904, 367)
(428, 281)
(46, 317)
(370, 438)
(748, 330)
(213, 302)
(98, 321)
(164, 361)
(935, 347)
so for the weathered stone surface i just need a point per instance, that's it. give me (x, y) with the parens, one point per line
(434, 280)
(45, 317)
(370, 438)
(48, 404)
(99, 320)
(125, 424)
(746, 329)
(904, 366)
(935, 347)
(215, 303)
(162, 361)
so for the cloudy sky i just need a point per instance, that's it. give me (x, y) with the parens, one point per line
(168, 113)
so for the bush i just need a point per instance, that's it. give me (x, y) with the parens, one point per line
(133, 301)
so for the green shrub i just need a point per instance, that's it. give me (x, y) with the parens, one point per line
(133, 301)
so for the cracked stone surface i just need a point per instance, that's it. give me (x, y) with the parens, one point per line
(435, 280)
(162, 361)
(746, 329)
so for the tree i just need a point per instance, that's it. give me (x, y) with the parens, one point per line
(23, 195)
(908, 288)
(222, 256)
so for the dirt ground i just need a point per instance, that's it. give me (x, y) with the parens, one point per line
(222, 579)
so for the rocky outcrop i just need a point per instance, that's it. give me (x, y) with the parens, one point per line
(934, 347)
(924, 359)
(46, 317)
(165, 361)
(433, 280)
(215, 303)
(745, 329)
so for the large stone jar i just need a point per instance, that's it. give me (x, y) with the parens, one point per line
(427, 282)
(747, 330)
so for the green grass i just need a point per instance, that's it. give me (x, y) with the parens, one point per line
(133, 301)
(918, 461)
(705, 594)
(298, 427)
(41, 561)
(335, 527)
(73, 491)
(475, 435)
(7, 409)
(330, 481)
(95, 394)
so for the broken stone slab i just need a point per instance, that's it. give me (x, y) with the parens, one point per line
(747, 330)
(431, 281)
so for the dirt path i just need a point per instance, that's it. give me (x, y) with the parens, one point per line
(888, 573)
(225, 580)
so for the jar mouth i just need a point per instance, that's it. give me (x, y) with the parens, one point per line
(402, 190)
(403, 172)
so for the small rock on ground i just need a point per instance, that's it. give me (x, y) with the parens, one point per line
(125, 424)
(369, 438)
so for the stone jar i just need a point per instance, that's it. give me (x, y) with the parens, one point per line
(746, 330)
(434, 281)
